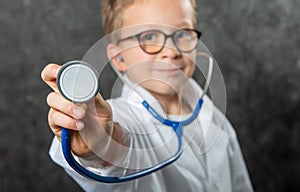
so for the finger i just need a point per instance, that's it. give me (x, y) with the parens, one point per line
(78, 146)
(49, 75)
(57, 120)
(54, 128)
(59, 103)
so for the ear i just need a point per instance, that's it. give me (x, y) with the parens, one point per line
(114, 53)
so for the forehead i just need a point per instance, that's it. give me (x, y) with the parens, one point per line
(177, 13)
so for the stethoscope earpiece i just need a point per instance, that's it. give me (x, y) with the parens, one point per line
(121, 58)
(78, 81)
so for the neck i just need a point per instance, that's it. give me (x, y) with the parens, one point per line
(172, 104)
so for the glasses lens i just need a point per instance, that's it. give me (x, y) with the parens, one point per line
(186, 40)
(152, 41)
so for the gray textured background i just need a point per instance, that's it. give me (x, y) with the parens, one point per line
(256, 44)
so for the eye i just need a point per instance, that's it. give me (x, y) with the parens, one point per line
(183, 34)
(149, 36)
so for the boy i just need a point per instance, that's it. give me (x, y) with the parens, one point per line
(221, 169)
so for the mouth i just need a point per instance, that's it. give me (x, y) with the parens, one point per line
(169, 71)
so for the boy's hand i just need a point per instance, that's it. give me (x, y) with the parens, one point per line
(90, 123)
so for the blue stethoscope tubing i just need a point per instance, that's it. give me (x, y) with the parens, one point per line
(176, 126)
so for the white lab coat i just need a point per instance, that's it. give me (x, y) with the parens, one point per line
(211, 161)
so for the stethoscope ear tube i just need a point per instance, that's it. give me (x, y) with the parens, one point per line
(176, 126)
(65, 140)
(89, 78)
(209, 72)
(73, 76)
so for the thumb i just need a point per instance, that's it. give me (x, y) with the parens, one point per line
(100, 107)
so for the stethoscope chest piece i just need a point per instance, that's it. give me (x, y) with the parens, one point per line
(78, 81)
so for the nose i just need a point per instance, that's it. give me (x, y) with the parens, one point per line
(170, 49)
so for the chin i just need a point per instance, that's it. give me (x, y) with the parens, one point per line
(162, 88)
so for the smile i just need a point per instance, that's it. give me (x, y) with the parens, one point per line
(169, 72)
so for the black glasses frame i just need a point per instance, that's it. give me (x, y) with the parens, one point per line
(166, 36)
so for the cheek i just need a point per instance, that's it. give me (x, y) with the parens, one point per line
(190, 60)
(139, 72)
(136, 73)
(190, 68)
(137, 63)
(134, 56)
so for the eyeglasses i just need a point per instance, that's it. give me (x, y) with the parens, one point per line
(153, 41)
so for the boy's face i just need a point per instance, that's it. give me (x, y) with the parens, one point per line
(162, 73)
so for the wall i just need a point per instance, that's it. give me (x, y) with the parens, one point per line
(256, 43)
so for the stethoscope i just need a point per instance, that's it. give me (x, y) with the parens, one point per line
(78, 81)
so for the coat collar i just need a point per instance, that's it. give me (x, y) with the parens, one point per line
(191, 94)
